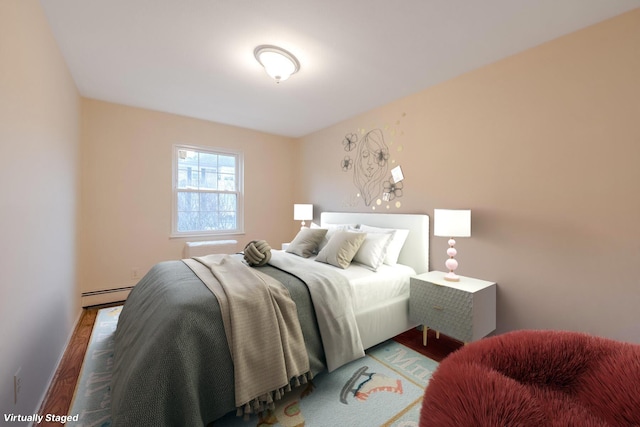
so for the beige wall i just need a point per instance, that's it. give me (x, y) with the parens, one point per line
(544, 148)
(39, 139)
(126, 188)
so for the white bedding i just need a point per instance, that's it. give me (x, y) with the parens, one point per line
(332, 303)
(369, 288)
(380, 315)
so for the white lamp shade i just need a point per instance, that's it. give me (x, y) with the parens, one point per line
(451, 223)
(302, 212)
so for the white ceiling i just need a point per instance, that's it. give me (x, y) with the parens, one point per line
(195, 57)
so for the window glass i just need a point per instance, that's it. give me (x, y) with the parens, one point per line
(207, 191)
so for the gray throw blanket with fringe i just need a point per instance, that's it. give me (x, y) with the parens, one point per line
(172, 365)
(266, 342)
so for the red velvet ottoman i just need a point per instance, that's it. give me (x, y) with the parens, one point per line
(536, 378)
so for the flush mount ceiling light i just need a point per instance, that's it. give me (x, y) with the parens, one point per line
(277, 62)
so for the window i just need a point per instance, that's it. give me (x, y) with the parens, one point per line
(207, 191)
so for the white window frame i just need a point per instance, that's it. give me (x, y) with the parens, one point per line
(239, 191)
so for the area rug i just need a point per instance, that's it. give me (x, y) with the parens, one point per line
(384, 388)
(92, 398)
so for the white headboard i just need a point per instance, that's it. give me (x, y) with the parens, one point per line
(415, 252)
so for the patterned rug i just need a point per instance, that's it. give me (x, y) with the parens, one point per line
(382, 389)
(92, 398)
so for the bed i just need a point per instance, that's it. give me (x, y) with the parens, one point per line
(173, 361)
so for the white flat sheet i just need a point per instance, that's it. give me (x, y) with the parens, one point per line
(331, 298)
(369, 288)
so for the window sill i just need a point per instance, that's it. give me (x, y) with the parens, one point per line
(206, 235)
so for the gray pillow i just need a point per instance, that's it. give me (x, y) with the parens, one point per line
(306, 242)
(341, 248)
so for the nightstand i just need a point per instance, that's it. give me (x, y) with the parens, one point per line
(464, 310)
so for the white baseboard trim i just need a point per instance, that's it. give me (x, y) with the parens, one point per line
(55, 371)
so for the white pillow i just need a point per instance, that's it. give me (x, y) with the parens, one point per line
(341, 248)
(397, 241)
(373, 251)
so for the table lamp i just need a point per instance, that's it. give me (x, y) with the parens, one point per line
(302, 212)
(451, 223)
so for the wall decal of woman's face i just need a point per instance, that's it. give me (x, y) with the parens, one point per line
(371, 165)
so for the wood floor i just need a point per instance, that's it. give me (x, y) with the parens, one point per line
(436, 349)
(60, 393)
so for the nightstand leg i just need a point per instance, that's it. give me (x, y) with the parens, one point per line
(424, 335)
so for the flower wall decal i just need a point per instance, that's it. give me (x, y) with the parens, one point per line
(346, 163)
(350, 141)
(393, 189)
(382, 156)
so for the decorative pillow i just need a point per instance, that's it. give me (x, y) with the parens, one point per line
(332, 228)
(306, 242)
(373, 251)
(341, 248)
(257, 252)
(396, 244)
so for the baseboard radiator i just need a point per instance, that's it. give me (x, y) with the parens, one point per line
(105, 296)
(208, 247)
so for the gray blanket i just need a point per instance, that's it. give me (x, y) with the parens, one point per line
(172, 362)
(262, 330)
